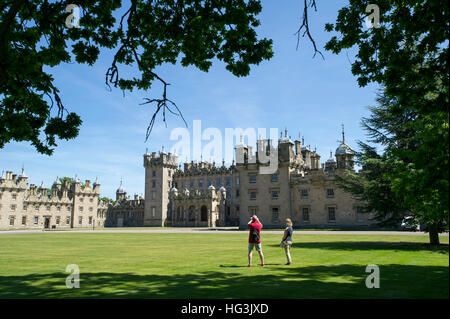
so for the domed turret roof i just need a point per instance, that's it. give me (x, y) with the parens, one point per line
(121, 189)
(343, 149)
(222, 189)
(331, 159)
(211, 187)
(174, 189)
(23, 175)
(285, 139)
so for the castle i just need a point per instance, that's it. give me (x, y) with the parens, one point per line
(64, 205)
(201, 194)
(205, 195)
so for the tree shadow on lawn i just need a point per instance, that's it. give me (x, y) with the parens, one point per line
(331, 281)
(370, 245)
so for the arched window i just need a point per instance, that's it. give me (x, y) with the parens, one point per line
(204, 213)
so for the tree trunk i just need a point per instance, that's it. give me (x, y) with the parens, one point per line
(434, 234)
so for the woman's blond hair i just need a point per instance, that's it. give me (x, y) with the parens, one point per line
(288, 222)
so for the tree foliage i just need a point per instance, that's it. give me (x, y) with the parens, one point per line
(34, 37)
(408, 56)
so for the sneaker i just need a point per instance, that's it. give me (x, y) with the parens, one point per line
(287, 264)
(249, 265)
(262, 265)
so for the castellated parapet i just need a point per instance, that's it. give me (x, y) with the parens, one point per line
(161, 160)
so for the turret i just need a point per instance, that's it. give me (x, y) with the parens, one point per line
(285, 148)
(330, 164)
(96, 186)
(120, 192)
(344, 154)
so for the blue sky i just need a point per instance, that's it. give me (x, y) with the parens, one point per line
(293, 90)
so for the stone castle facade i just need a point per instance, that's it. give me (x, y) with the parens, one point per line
(205, 195)
(64, 205)
(201, 194)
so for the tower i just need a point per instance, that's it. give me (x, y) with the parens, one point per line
(285, 148)
(159, 171)
(120, 192)
(344, 154)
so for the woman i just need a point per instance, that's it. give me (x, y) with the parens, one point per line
(286, 243)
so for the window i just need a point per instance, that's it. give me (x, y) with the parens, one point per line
(58, 209)
(90, 220)
(58, 220)
(81, 208)
(13, 208)
(252, 211)
(14, 196)
(209, 182)
(168, 184)
(153, 173)
(304, 193)
(67, 220)
(237, 180)
(274, 194)
(275, 215)
(227, 181)
(274, 178)
(332, 214)
(153, 212)
(25, 207)
(204, 214)
(252, 195)
(91, 200)
(90, 209)
(68, 208)
(330, 193)
(359, 214)
(81, 199)
(237, 192)
(191, 184)
(24, 220)
(200, 183)
(11, 220)
(305, 214)
(36, 220)
(153, 195)
(182, 185)
(252, 178)
(48, 208)
(153, 184)
(219, 181)
(80, 220)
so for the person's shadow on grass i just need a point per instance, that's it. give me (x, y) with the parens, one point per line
(241, 266)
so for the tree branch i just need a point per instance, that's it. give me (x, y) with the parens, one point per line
(305, 24)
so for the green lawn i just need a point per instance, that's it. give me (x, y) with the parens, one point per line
(212, 265)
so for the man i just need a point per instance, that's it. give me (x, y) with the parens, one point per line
(254, 239)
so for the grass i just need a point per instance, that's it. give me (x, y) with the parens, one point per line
(212, 265)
